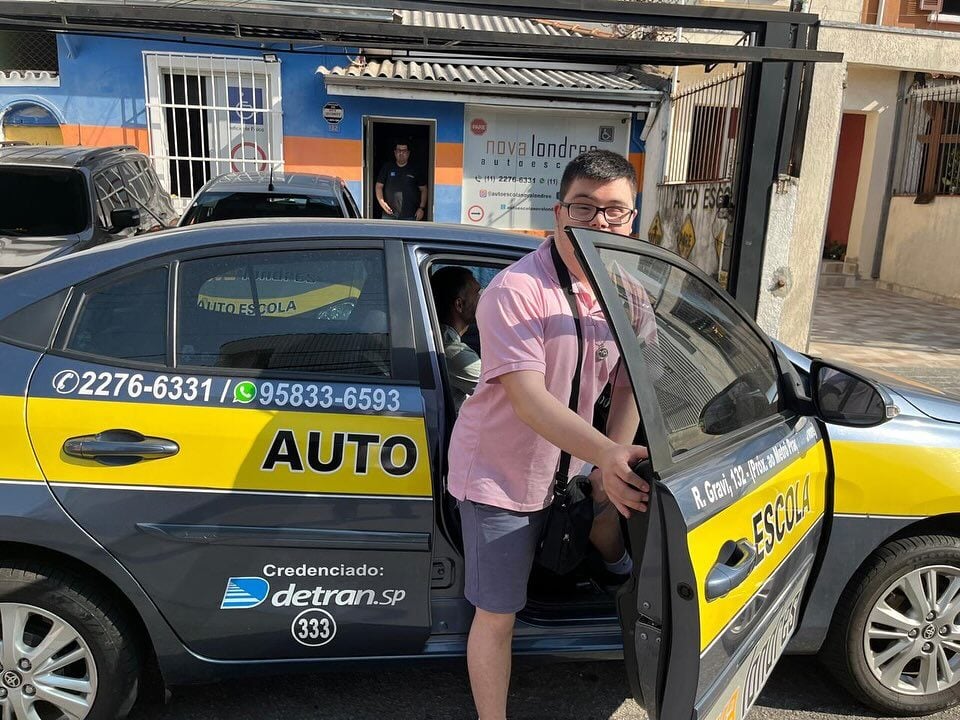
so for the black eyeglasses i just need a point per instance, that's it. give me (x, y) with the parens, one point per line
(585, 212)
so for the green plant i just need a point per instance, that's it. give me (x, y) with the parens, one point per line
(951, 171)
(834, 251)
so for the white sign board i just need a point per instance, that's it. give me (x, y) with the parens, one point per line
(513, 160)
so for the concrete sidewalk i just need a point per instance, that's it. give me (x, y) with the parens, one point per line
(883, 330)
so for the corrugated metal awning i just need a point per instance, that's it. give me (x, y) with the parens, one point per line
(491, 78)
(377, 74)
(489, 23)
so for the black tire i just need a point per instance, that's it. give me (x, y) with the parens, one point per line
(93, 616)
(844, 655)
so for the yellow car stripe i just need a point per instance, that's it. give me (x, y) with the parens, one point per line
(899, 480)
(279, 306)
(796, 501)
(17, 461)
(241, 448)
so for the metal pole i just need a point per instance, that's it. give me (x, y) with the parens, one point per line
(763, 111)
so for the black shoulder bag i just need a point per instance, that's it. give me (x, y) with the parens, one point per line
(565, 538)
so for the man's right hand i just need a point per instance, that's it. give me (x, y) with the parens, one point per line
(386, 208)
(626, 490)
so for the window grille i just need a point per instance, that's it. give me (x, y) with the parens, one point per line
(928, 162)
(209, 115)
(35, 51)
(704, 127)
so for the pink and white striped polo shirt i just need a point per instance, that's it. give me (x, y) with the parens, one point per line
(525, 323)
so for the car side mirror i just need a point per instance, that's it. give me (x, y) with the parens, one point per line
(123, 218)
(844, 398)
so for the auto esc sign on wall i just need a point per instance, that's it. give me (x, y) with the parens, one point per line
(513, 160)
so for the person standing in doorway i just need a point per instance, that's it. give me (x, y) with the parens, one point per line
(507, 439)
(401, 189)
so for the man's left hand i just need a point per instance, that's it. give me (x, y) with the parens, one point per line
(420, 214)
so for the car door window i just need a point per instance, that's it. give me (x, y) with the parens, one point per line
(112, 194)
(712, 373)
(319, 311)
(125, 319)
(135, 175)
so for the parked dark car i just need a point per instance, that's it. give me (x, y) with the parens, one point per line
(258, 195)
(59, 199)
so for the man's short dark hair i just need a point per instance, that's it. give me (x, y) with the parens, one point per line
(447, 283)
(600, 166)
(405, 143)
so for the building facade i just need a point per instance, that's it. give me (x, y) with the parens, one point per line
(490, 140)
(879, 185)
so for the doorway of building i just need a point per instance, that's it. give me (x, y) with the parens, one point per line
(379, 137)
(845, 179)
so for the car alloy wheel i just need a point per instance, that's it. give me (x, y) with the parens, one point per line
(48, 670)
(912, 636)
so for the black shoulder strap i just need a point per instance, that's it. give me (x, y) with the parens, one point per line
(563, 467)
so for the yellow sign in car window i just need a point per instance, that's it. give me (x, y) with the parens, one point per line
(276, 306)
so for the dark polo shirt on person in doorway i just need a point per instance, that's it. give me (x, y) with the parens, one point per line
(401, 189)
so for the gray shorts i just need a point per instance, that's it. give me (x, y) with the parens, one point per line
(498, 550)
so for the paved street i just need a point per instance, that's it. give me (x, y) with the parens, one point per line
(883, 330)
(798, 690)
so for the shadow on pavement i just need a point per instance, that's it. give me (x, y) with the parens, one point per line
(798, 690)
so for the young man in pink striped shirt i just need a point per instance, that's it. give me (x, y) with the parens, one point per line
(507, 439)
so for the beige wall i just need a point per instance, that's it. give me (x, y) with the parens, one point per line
(790, 322)
(848, 11)
(871, 92)
(920, 252)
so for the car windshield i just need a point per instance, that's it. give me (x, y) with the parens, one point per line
(233, 205)
(42, 202)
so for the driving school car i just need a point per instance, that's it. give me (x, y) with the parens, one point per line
(225, 449)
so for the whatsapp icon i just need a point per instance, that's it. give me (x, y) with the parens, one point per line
(245, 392)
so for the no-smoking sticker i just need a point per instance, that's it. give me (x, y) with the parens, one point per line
(475, 213)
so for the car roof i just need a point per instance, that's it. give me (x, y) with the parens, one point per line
(304, 183)
(63, 156)
(37, 282)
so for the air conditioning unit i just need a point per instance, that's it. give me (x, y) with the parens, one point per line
(933, 6)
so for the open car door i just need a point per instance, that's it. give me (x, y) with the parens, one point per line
(738, 476)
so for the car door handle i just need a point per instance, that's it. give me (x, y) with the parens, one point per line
(119, 447)
(733, 566)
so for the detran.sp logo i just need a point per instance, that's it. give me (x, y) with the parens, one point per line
(244, 592)
(478, 126)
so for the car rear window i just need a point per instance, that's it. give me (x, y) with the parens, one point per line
(42, 202)
(321, 311)
(233, 205)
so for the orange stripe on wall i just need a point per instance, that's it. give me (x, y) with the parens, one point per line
(449, 164)
(325, 156)
(101, 136)
(333, 156)
(638, 160)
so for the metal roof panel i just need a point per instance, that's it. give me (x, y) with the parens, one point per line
(466, 73)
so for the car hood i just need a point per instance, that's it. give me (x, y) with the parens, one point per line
(19, 252)
(928, 400)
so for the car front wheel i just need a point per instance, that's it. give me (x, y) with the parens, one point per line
(64, 650)
(895, 642)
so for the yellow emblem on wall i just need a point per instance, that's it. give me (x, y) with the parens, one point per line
(655, 233)
(687, 238)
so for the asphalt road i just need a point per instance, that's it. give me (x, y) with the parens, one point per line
(798, 690)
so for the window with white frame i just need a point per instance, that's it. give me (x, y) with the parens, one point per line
(209, 115)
